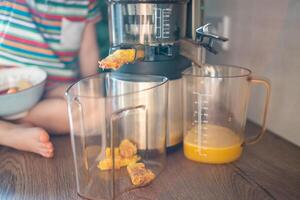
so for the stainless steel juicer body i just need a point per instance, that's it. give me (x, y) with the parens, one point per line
(156, 26)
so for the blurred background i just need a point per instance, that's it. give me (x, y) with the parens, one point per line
(264, 36)
(102, 30)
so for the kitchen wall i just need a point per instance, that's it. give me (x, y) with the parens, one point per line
(265, 37)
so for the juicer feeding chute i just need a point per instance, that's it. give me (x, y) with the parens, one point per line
(152, 24)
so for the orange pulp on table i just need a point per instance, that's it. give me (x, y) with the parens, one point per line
(212, 144)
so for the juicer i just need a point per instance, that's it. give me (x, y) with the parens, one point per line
(167, 33)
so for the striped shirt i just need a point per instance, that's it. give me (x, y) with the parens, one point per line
(45, 34)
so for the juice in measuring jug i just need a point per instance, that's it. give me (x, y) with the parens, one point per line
(212, 144)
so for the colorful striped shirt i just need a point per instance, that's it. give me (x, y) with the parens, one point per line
(45, 34)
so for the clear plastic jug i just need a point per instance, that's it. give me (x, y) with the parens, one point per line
(131, 121)
(215, 110)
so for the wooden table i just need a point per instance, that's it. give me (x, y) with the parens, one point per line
(267, 170)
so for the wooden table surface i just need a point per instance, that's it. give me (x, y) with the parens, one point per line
(267, 170)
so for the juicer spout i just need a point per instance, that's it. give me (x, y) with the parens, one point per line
(203, 32)
(192, 49)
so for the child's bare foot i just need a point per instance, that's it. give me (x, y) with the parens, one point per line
(30, 139)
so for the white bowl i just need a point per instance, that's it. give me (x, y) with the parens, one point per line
(16, 105)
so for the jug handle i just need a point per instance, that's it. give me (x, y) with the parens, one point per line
(267, 87)
(82, 130)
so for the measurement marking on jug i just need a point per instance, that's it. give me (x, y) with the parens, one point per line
(201, 119)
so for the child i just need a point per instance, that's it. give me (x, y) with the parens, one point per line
(51, 35)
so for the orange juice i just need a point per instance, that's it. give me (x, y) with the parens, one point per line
(212, 144)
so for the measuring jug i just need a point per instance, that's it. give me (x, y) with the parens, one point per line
(107, 111)
(215, 111)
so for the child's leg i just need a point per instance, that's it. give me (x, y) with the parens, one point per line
(50, 114)
(25, 138)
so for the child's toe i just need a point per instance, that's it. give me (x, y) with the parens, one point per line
(50, 150)
(49, 145)
(46, 153)
(44, 137)
(49, 154)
